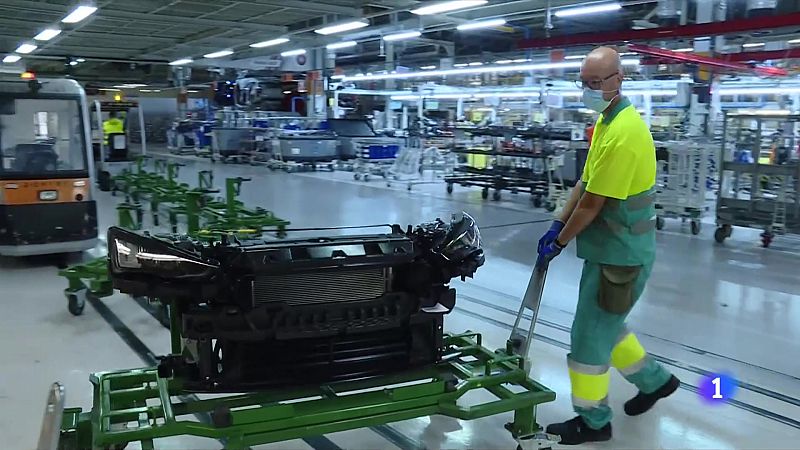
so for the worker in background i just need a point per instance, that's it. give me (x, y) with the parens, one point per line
(112, 126)
(611, 212)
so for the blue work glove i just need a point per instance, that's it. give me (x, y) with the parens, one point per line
(551, 234)
(548, 253)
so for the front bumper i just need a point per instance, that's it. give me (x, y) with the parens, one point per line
(47, 228)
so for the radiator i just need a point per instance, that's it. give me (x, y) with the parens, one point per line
(321, 286)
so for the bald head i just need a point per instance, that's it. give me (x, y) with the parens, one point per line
(602, 71)
(604, 59)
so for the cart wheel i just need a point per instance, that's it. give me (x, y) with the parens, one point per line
(659, 223)
(75, 304)
(366, 177)
(550, 206)
(155, 219)
(449, 188)
(410, 187)
(357, 176)
(537, 201)
(728, 230)
(766, 239)
(695, 227)
(485, 193)
(496, 196)
(720, 235)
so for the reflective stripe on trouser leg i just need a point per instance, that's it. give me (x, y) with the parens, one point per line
(590, 392)
(633, 362)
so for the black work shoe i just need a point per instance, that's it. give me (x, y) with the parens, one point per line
(575, 431)
(643, 402)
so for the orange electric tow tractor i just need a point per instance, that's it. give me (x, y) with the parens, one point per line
(46, 204)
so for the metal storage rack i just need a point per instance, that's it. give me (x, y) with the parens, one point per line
(754, 190)
(682, 183)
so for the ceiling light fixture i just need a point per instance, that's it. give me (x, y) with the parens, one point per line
(180, 62)
(26, 48)
(574, 57)
(475, 64)
(339, 28)
(11, 59)
(793, 41)
(753, 44)
(427, 67)
(297, 52)
(338, 45)
(402, 36)
(504, 61)
(461, 65)
(47, 34)
(80, 60)
(78, 14)
(218, 54)
(478, 70)
(73, 63)
(443, 7)
(683, 50)
(270, 43)
(481, 24)
(582, 10)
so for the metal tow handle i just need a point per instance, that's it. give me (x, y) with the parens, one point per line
(520, 340)
(53, 414)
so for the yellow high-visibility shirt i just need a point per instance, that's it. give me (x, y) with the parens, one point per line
(113, 126)
(622, 157)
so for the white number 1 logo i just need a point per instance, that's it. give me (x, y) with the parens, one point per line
(717, 383)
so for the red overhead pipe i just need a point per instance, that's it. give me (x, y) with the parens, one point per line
(713, 62)
(761, 56)
(681, 31)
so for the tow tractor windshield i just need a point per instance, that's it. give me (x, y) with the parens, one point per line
(41, 137)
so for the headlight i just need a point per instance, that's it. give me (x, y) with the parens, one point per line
(134, 253)
(48, 196)
(463, 240)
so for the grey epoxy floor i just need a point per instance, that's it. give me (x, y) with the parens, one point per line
(734, 307)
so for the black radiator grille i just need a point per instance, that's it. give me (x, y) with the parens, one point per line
(320, 287)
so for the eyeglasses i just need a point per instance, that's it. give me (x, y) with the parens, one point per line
(595, 84)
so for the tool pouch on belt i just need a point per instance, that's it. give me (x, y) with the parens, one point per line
(616, 287)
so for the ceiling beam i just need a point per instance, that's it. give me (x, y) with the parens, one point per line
(314, 6)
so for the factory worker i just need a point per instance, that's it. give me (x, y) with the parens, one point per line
(112, 126)
(611, 215)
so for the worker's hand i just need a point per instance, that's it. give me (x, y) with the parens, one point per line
(548, 253)
(551, 234)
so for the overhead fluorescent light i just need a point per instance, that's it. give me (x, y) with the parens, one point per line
(47, 34)
(753, 44)
(78, 14)
(270, 43)
(582, 10)
(73, 63)
(504, 61)
(26, 48)
(11, 59)
(80, 60)
(130, 86)
(461, 65)
(683, 50)
(342, 27)
(192, 91)
(478, 70)
(218, 54)
(338, 45)
(402, 36)
(297, 52)
(793, 41)
(427, 67)
(287, 92)
(521, 60)
(475, 64)
(481, 24)
(180, 62)
(443, 7)
(108, 90)
(574, 57)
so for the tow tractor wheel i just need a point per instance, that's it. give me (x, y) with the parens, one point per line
(550, 206)
(496, 196)
(766, 239)
(659, 223)
(449, 188)
(356, 176)
(537, 201)
(485, 193)
(720, 235)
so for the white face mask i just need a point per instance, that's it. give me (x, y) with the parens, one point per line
(594, 100)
